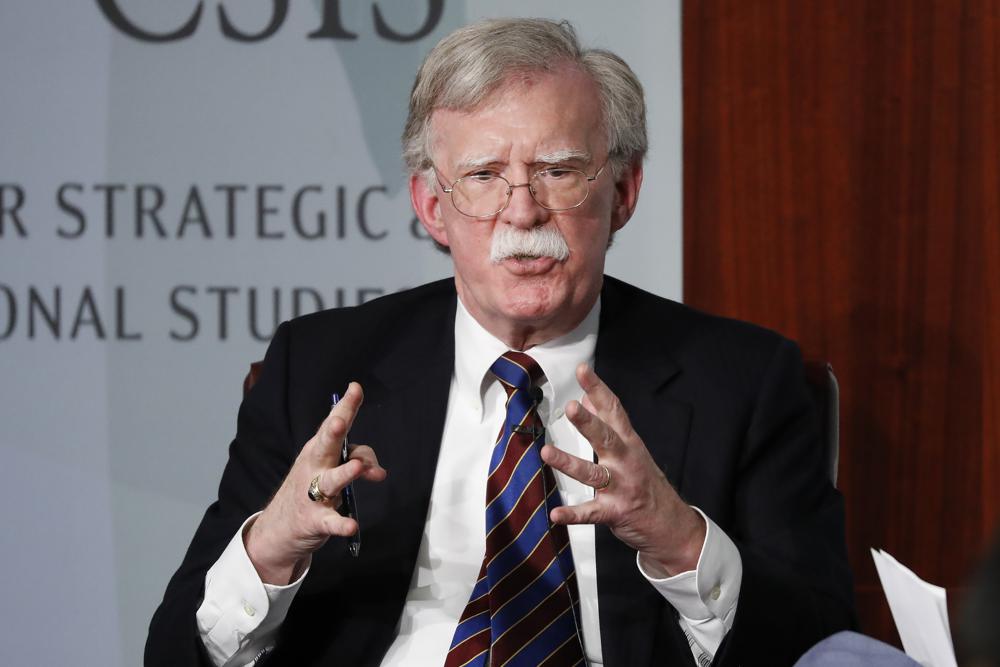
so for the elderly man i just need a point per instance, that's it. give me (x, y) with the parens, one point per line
(656, 494)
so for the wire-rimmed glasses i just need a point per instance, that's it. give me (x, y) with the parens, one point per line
(485, 194)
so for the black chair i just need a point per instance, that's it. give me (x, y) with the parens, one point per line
(826, 394)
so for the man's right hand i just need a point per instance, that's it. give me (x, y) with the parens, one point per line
(292, 526)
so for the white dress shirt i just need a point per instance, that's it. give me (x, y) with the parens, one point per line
(239, 615)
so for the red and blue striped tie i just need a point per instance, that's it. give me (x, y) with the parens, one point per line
(524, 609)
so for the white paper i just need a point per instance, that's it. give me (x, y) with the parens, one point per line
(920, 611)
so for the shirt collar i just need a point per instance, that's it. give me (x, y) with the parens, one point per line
(476, 349)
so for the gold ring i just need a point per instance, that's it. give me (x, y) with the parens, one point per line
(315, 494)
(607, 478)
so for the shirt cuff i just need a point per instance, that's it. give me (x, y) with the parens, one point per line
(238, 607)
(712, 590)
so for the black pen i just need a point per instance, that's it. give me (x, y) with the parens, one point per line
(349, 507)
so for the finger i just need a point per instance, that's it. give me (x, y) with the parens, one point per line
(348, 406)
(372, 471)
(333, 480)
(586, 472)
(339, 526)
(329, 440)
(334, 428)
(601, 437)
(602, 401)
(591, 512)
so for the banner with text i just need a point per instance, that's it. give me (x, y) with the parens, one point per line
(176, 179)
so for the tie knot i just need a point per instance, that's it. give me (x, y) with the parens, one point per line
(517, 370)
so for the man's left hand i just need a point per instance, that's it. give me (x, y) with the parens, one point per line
(639, 505)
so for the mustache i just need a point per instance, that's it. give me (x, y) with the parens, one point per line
(544, 241)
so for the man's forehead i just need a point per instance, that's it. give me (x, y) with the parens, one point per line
(548, 117)
(452, 145)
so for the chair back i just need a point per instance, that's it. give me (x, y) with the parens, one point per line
(826, 395)
(251, 379)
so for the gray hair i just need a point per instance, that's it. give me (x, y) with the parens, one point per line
(473, 62)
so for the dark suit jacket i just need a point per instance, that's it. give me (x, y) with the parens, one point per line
(721, 405)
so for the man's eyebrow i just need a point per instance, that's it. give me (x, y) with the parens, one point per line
(475, 161)
(471, 162)
(563, 155)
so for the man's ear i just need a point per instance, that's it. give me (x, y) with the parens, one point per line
(427, 206)
(626, 194)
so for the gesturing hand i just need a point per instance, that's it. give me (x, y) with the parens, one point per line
(292, 526)
(633, 497)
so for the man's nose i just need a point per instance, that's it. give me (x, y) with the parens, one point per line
(522, 209)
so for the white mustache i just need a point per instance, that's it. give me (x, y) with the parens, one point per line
(544, 241)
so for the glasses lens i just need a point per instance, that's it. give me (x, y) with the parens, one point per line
(560, 189)
(479, 196)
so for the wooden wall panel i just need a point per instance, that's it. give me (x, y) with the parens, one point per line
(985, 96)
(841, 185)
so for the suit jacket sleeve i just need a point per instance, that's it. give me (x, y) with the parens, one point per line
(724, 409)
(259, 458)
(787, 521)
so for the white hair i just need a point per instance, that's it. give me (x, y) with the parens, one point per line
(543, 241)
(470, 64)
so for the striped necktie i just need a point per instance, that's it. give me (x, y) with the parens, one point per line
(524, 609)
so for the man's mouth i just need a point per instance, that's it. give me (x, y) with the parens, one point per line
(526, 265)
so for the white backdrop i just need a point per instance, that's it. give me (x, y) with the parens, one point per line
(163, 205)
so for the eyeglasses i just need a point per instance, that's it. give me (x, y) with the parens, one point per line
(484, 194)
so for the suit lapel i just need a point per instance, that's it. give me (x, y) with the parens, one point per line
(409, 396)
(633, 363)
(406, 397)
(403, 416)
